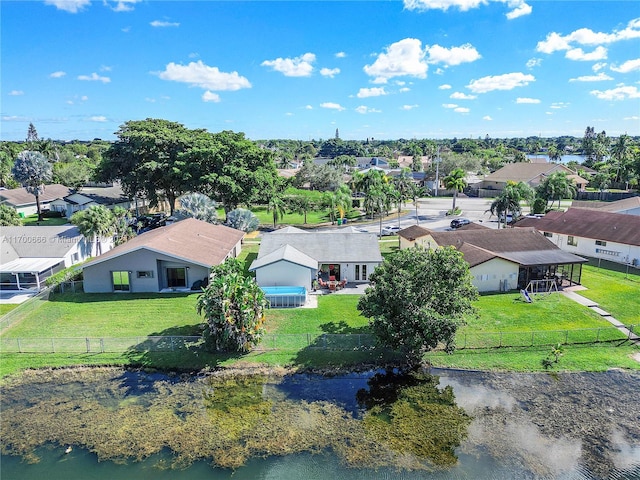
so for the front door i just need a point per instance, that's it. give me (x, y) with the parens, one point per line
(176, 277)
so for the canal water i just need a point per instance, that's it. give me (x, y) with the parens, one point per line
(432, 424)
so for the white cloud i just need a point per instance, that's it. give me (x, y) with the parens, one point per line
(600, 53)
(98, 118)
(592, 78)
(633, 117)
(599, 66)
(340, 55)
(364, 110)
(619, 93)
(527, 100)
(454, 55)
(558, 105)
(461, 110)
(404, 89)
(105, 68)
(329, 72)
(16, 93)
(519, 7)
(371, 92)
(449, 105)
(209, 96)
(163, 23)
(123, 5)
(292, 67)
(628, 66)
(308, 107)
(534, 62)
(586, 36)
(402, 58)
(487, 118)
(508, 81)
(204, 76)
(58, 74)
(462, 96)
(94, 77)
(332, 106)
(409, 107)
(71, 6)
(84, 98)
(445, 86)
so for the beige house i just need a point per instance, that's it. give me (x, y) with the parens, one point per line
(177, 257)
(533, 174)
(503, 259)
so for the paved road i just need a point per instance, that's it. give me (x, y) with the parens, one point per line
(432, 214)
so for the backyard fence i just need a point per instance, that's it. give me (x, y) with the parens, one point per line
(293, 342)
(24, 309)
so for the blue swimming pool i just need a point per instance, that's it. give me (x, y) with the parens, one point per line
(286, 296)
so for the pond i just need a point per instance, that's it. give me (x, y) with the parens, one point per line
(431, 424)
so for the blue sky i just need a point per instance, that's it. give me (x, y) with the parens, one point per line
(78, 69)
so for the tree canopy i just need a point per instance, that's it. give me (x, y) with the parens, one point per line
(418, 298)
(32, 170)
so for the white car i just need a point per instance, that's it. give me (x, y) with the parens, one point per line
(390, 230)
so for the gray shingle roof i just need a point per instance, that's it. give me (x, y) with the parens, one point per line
(18, 197)
(40, 241)
(326, 247)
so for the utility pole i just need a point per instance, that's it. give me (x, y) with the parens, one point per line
(437, 172)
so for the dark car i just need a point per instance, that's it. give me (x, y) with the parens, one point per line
(459, 222)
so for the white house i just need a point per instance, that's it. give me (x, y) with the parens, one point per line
(593, 233)
(177, 257)
(502, 259)
(294, 257)
(110, 197)
(31, 254)
(25, 202)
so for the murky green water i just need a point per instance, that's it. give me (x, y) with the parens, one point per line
(439, 424)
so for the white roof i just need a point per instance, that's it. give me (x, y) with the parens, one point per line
(29, 265)
(287, 253)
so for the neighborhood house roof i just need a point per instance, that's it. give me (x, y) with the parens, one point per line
(190, 240)
(29, 265)
(585, 223)
(615, 207)
(525, 172)
(39, 241)
(525, 246)
(325, 247)
(286, 253)
(19, 197)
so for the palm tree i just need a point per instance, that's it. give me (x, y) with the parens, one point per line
(242, 219)
(622, 153)
(277, 207)
(556, 187)
(94, 224)
(33, 171)
(507, 202)
(199, 206)
(455, 181)
(343, 200)
(417, 192)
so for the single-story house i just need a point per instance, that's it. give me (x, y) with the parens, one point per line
(628, 206)
(109, 196)
(594, 233)
(25, 202)
(533, 174)
(502, 259)
(294, 257)
(177, 257)
(31, 254)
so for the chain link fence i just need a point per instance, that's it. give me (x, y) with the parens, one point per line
(293, 342)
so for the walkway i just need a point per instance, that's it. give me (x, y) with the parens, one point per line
(571, 294)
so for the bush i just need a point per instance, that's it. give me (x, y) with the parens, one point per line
(52, 214)
(73, 272)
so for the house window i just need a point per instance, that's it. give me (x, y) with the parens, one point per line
(601, 243)
(548, 234)
(120, 281)
(145, 274)
(572, 241)
(176, 277)
(75, 258)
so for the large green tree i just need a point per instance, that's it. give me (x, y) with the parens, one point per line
(556, 186)
(9, 216)
(233, 307)
(32, 170)
(149, 158)
(418, 298)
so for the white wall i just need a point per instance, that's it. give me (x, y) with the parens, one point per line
(284, 273)
(615, 252)
(488, 275)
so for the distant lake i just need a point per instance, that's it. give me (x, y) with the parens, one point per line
(433, 424)
(564, 159)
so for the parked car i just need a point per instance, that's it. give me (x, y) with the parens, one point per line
(459, 222)
(390, 230)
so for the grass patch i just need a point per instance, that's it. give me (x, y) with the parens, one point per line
(7, 307)
(615, 292)
(32, 220)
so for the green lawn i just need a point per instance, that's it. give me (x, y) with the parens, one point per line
(615, 292)
(32, 220)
